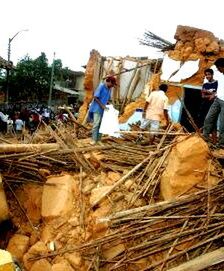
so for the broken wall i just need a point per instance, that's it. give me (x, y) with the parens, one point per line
(196, 44)
(130, 81)
(91, 80)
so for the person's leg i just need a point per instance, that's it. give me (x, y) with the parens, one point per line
(145, 124)
(154, 127)
(99, 134)
(203, 111)
(211, 118)
(221, 124)
(96, 126)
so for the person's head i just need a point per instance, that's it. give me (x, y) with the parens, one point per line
(209, 74)
(219, 63)
(163, 87)
(110, 81)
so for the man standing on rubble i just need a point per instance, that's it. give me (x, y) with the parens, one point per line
(208, 93)
(156, 107)
(217, 108)
(101, 97)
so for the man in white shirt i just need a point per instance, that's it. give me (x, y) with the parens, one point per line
(156, 107)
(217, 108)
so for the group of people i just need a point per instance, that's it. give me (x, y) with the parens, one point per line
(30, 118)
(156, 106)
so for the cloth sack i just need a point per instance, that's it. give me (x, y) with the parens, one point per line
(110, 124)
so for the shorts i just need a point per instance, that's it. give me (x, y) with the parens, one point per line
(151, 125)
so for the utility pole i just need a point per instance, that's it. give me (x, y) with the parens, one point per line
(8, 68)
(51, 83)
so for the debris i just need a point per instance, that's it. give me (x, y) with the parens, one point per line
(4, 209)
(124, 204)
(18, 245)
(202, 262)
(41, 265)
(57, 197)
(187, 166)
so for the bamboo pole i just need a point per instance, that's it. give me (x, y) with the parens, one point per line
(17, 148)
(74, 119)
(119, 182)
(152, 132)
(127, 89)
(202, 262)
(133, 85)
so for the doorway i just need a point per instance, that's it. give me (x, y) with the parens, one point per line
(192, 101)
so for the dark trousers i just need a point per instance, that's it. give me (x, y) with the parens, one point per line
(216, 110)
(204, 108)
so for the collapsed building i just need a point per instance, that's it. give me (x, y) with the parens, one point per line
(122, 205)
(182, 68)
(131, 80)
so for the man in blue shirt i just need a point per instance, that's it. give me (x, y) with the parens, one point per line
(101, 97)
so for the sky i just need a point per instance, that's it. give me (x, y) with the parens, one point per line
(72, 28)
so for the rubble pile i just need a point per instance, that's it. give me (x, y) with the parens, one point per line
(81, 207)
(122, 204)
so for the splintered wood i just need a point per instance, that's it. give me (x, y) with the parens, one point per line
(163, 234)
(124, 220)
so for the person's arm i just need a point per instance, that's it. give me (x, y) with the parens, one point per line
(214, 93)
(97, 96)
(99, 102)
(147, 103)
(203, 93)
(212, 96)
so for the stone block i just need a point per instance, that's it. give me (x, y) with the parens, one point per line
(62, 266)
(18, 245)
(37, 248)
(57, 196)
(41, 265)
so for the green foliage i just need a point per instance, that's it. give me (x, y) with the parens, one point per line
(30, 81)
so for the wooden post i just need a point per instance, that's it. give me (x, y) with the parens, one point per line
(133, 86)
(127, 90)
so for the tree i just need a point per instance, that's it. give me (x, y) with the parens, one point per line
(30, 80)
